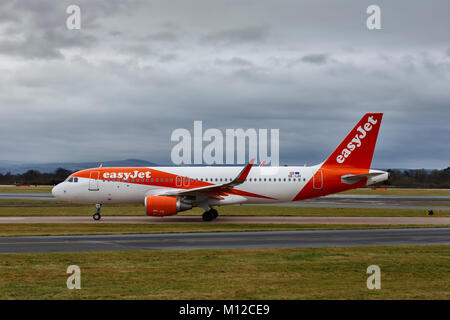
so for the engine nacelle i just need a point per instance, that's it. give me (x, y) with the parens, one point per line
(164, 206)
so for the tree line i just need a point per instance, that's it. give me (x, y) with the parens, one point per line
(419, 178)
(34, 177)
(397, 178)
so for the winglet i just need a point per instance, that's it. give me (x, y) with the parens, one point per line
(244, 173)
(262, 164)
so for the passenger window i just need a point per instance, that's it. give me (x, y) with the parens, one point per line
(157, 180)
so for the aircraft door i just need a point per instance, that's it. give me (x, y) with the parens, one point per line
(93, 181)
(318, 180)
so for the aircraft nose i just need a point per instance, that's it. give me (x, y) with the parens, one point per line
(57, 191)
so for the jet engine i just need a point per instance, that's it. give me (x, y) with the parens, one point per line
(164, 205)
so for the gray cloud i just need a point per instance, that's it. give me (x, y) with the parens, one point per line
(120, 85)
(243, 35)
(235, 61)
(162, 36)
(45, 44)
(315, 58)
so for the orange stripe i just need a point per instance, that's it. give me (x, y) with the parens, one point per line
(157, 174)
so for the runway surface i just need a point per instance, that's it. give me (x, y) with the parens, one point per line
(227, 240)
(26, 196)
(331, 201)
(432, 220)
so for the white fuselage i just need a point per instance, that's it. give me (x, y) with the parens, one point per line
(263, 185)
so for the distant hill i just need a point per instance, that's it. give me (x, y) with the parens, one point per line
(19, 168)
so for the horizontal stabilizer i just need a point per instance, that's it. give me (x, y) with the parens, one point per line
(371, 177)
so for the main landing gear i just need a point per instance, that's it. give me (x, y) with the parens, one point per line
(210, 215)
(97, 215)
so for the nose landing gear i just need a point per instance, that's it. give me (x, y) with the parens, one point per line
(97, 215)
(210, 215)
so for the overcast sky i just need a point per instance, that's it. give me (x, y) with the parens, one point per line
(117, 88)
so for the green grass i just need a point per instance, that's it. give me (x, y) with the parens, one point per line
(30, 203)
(139, 210)
(407, 272)
(52, 229)
(14, 189)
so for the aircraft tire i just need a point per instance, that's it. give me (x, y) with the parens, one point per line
(214, 213)
(207, 216)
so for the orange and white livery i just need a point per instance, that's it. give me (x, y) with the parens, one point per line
(168, 190)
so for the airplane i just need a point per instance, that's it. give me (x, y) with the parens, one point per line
(165, 191)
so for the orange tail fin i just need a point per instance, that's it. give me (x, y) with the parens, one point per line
(356, 150)
(351, 159)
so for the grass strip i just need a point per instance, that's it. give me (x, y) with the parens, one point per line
(407, 272)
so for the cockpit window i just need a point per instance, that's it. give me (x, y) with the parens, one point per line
(70, 180)
(75, 179)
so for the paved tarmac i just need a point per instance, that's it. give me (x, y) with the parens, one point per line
(26, 196)
(227, 240)
(430, 220)
(331, 201)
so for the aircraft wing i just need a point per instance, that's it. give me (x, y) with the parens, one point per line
(216, 189)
